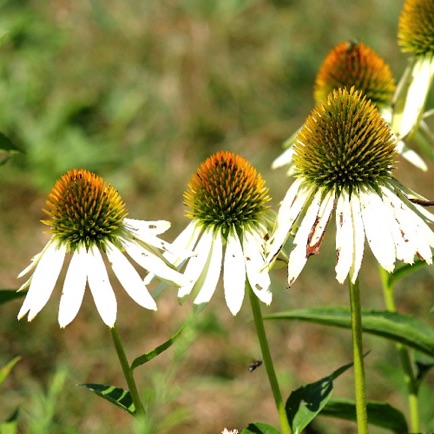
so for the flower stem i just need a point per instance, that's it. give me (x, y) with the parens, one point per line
(128, 373)
(405, 356)
(359, 370)
(268, 361)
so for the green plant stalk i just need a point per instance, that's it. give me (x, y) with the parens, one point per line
(359, 369)
(268, 361)
(128, 373)
(405, 357)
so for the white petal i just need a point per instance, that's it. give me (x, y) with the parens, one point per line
(234, 273)
(289, 210)
(411, 156)
(299, 254)
(257, 274)
(377, 221)
(152, 263)
(145, 228)
(43, 280)
(359, 237)
(208, 280)
(130, 278)
(36, 258)
(197, 263)
(344, 237)
(100, 287)
(325, 210)
(284, 159)
(73, 288)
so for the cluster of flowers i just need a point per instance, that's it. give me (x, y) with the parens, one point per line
(341, 160)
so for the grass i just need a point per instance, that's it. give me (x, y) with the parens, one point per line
(141, 93)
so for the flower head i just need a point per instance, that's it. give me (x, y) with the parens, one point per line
(227, 202)
(351, 64)
(415, 36)
(355, 64)
(88, 219)
(343, 159)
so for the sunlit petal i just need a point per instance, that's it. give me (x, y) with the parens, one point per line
(344, 237)
(130, 278)
(377, 221)
(208, 280)
(300, 252)
(234, 273)
(359, 237)
(101, 288)
(43, 280)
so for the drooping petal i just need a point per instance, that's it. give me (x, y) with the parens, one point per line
(207, 281)
(43, 280)
(257, 273)
(324, 213)
(130, 278)
(197, 263)
(153, 263)
(234, 273)
(73, 287)
(359, 237)
(377, 220)
(289, 210)
(101, 288)
(344, 237)
(143, 228)
(299, 254)
(35, 260)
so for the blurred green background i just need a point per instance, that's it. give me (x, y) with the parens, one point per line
(141, 92)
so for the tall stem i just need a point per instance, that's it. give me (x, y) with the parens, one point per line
(405, 357)
(268, 361)
(128, 373)
(359, 369)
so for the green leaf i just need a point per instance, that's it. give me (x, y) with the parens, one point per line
(10, 426)
(391, 325)
(10, 294)
(260, 428)
(156, 351)
(404, 270)
(5, 371)
(7, 147)
(306, 402)
(117, 396)
(379, 414)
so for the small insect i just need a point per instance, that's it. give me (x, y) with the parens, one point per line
(255, 364)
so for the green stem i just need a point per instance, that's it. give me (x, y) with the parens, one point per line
(359, 370)
(405, 357)
(128, 373)
(268, 361)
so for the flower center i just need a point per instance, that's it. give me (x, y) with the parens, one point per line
(84, 210)
(344, 143)
(354, 64)
(416, 27)
(226, 191)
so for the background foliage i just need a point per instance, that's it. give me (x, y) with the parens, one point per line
(141, 92)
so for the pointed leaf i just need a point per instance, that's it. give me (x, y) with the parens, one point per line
(10, 294)
(156, 351)
(4, 372)
(260, 428)
(117, 396)
(404, 270)
(379, 414)
(391, 325)
(306, 402)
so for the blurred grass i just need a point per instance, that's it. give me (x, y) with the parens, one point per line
(141, 92)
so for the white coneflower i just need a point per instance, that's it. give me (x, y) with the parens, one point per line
(87, 219)
(355, 64)
(415, 36)
(343, 158)
(227, 204)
